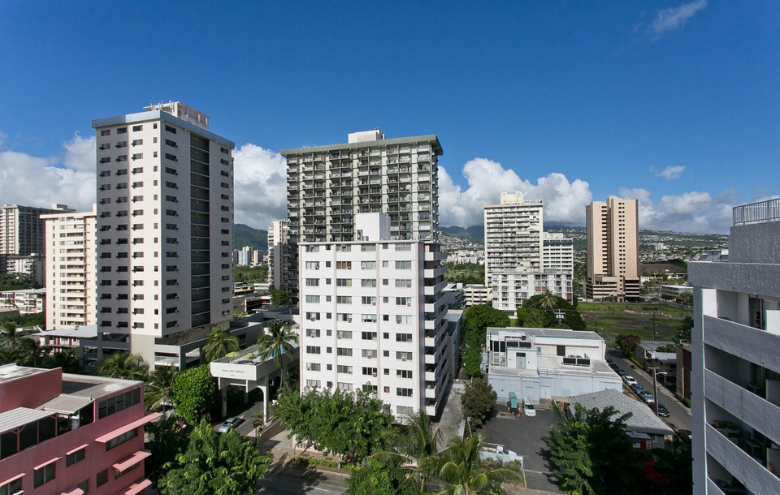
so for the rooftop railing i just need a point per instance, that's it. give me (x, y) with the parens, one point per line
(764, 211)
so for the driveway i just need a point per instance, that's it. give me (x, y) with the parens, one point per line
(524, 436)
(679, 415)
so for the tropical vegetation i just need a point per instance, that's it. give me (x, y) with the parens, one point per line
(158, 390)
(279, 297)
(195, 395)
(478, 401)
(124, 365)
(476, 320)
(542, 310)
(277, 341)
(226, 464)
(219, 344)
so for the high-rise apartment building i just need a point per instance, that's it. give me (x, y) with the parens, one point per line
(510, 288)
(613, 249)
(328, 185)
(165, 227)
(71, 269)
(29, 265)
(558, 252)
(372, 317)
(513, 235)
(245, 256)
(735, 359)
(22, 230)
(280, 272)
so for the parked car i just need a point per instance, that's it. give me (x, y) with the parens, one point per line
(229, 424)
(614, 366)
(685, 435)
(663, 411)
(610, 361)
(622, 373)
(637, 387)
(647, 397)
(528, 408)
(629, 380)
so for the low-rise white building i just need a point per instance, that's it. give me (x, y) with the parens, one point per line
(26, 301)
(675, 290)
(510, 288)
(542, 363)
(476, 294)
(31, 265)
(372, 317)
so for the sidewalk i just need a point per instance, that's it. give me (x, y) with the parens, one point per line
(663, 390)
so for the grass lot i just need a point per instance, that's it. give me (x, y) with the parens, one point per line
(627, 318)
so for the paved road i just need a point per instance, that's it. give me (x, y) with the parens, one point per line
(287, 480)
(680, 417)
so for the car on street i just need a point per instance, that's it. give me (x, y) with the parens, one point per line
(663, 411)
(614, 366)
(647, 397)
(229, 424)
(637, 387)
(622, 373)
(630, 380)
(610, 361)
(685, 435)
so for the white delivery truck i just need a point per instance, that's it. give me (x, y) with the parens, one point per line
(499, 453)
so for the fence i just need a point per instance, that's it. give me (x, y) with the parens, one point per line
(765, 211)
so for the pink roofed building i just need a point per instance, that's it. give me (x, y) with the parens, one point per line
(64, 434)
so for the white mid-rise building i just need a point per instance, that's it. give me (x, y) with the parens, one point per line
(280, 273)
(735, 366)
(372, 317)
(165, 227)
(29, 265)
(26, 301)
(510, 288)
(475, 295)
(514, 235)
(558, 252)
(71, 275)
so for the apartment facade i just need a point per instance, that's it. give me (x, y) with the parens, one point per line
(511, 288)
(373, 318)
(735, 359)
(71, 434)
(280, 271)
(22, 230)
(514, 235)
(328, 185)
(165, 227)
(476, 294)
(29, 265)
(558, 252)
(71, 275)
(612, 231)
(26, 301)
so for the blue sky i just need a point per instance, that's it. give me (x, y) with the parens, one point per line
(566, 101)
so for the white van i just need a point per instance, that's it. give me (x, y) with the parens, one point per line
(528, 408)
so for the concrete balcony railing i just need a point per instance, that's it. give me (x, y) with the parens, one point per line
(743, 404)
(757, 346)
(430, 393)
(430, 376)
(749, 471)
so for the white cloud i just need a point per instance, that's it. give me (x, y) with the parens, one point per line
(671, 173)
(692, 211)
(37, 181)
(675, 18)
(564, 201)
(261, 186)
(80, 153)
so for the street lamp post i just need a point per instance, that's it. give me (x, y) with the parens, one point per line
(655, 387)
(468, 422)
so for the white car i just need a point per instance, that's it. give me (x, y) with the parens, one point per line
(229, 424)
(528, 408)
(629, 380)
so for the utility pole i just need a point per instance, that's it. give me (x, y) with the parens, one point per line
(654, 310)
(655, 386)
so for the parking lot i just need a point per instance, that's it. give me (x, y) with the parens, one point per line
(524, 436)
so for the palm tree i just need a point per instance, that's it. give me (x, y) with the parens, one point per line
(66, 359)
(159, 389)
(8, 335)
(219, 344)
(460, 471)
(279, 339)
(415, 450)
(123, 365)
(548, 301)
(29, 352)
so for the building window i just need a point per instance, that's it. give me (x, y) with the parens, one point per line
(368, 265)
(368, 335)
(45, 474)
(101, 478)
(343, 282)
(310, 349)
(403, 265)
(118, 403)
(404, 410)
(343, 369)
(12, 487)
(123, 438)
(368, 282)
(121, 130)
(403, 337)
(344, 265)
(344, 351)
(403, 319)
(75, 457)
(403, 392)
(343, 299)
(170, 129)
(105, 132)
(403, 374)
(403, 283)
(403, 247)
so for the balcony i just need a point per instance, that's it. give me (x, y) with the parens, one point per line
(434, 272)
(748, 470)
(430, 393)
(757, 346)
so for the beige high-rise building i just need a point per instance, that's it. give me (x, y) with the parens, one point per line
(279, 272)
(613, 249)
(71, 269)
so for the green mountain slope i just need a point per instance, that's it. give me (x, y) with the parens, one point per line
(475, 233)
(244, 235)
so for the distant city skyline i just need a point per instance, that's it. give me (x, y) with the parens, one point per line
(672, 103)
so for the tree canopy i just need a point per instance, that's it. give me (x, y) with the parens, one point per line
(279, 297)
(343, 423)
(476, 320)
(124, 365)
(539, 312)
(226, 464)
(195, 394)
(591, 453)
(478, 401)
(219, 344)
(627, 343)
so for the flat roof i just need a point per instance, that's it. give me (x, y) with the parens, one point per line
(85, 332)
(427, 138)
(135, 118)
(547, 365)
(20, 417)
(93, 386)
(642, 418)
(10, 372)
(550, 332)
